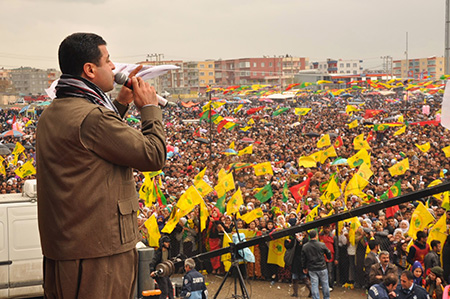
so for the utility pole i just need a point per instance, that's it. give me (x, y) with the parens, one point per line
(406, 53)
(387, 64)
(447, 38)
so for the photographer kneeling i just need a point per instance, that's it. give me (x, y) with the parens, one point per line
(162, 254)
(193, 282)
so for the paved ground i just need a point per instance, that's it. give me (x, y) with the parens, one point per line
(263, 290)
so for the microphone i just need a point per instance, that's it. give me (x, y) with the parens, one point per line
(122, 79)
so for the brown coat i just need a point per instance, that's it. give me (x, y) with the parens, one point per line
(375, 270)
(87, 199)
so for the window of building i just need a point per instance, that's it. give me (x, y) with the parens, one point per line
(202, 65)
(271, 73)
(341, 65)
(202, 81)
(263, 64)
(202, 73)
(255, 74)
(355, 65)
(211, 81)
(347, 64)
(210, 73)
(270, 64)
(210, 66)
(263, 74)
(254, 64)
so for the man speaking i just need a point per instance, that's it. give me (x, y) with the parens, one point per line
(87, 198)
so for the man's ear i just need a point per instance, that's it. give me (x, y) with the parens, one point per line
(89, 70)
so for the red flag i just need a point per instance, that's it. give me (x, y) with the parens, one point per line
(371, 113)
(291, 85)
(300, 190)
(197, 132)
(338, 142)
(391, 210)
(370, 136)
(254, 110)
(318, 125)
(14, 119)
(221, 124)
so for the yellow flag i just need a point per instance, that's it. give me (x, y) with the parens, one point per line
(18, 149)
(438, 231)
(263, 168)
(355, 186)
(246, 151)
(203, 188)
(354, 225)
(173, 221)
(207, 106)
(218, 120)
(434, 183)
(399, 168)
(328, 153)
(227, 182)
(218, 104)
(251, 121)
(446, 151)
(222, 174)
(200, 176)
(232, 145)
(324, 141)
(365, 171)
(204, 214)
(419, 220)
(189, 199)
(359, 142)
(236, 110)
(235, 202)
(316, 156)
(147, 192)
(229, 125)
(252, 215)
(312, 214)
(302, 111)
(331, 193)
(360, 157)
(25, 170)
(153, 231)
(400, 119)
(351, 108)
(353, 124)
(307, 161)
(276, 252)
(220, 189)
(400, 131)
(424, 147)
(245, 129)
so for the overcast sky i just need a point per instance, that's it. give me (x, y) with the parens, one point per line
(31, 30)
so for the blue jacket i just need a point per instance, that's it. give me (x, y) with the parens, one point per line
(194, 286)
(378, 291)
(417, 292)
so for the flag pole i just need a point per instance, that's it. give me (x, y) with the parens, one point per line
(210, 127)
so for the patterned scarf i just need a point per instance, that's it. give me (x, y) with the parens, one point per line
(72, 86)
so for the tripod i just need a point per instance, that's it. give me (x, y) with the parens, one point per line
(235, 265)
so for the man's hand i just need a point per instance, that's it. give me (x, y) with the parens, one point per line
(392, 295)
(144, 94)
(379, 277)
(438, 281)
(125, 95)
(153, 274)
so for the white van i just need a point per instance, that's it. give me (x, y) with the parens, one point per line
(20, 247)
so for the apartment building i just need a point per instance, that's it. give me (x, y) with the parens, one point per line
(419, 68)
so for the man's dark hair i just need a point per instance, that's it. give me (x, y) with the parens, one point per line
(409, 275)
(78, 49)
(421, 234)
(390, 279)
(435, 243)
(312, 234)
(373, 244)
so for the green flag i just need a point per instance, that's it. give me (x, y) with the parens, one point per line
(279, 111)
(285, 192)
(221, 204)
(394, 191)
(380, 127)
(265, 193)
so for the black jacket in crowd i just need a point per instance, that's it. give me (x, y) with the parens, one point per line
(313, 255)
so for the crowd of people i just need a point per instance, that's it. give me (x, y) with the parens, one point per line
(380, 239)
